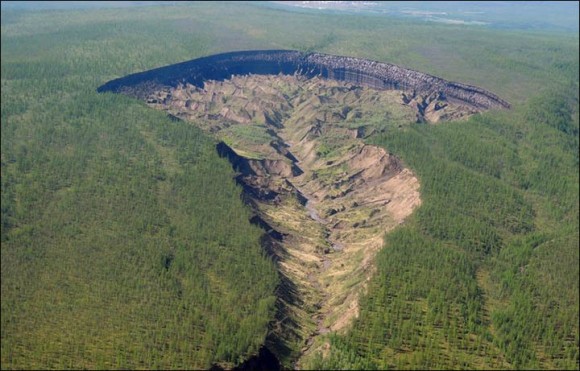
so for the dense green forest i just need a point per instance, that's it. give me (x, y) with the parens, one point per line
(125, 242)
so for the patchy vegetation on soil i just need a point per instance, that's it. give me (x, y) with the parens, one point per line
(325, 197)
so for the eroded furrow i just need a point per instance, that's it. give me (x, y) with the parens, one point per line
(324, 197)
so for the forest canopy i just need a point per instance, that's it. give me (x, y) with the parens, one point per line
(126, 242)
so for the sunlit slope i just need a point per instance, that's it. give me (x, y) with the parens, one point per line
(325, 197)
(125, 243)
(487, 274)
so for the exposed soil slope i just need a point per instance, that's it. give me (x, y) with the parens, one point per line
(325, 197)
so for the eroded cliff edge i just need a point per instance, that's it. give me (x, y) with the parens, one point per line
(358, 71)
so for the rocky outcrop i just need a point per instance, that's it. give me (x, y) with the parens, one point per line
(358, 71)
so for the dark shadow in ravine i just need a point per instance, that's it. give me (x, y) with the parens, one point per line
(283, 330)
(265, 360)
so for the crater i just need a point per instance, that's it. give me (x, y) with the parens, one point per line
(293, 126)
(358, 71)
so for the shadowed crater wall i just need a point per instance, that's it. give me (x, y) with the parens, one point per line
(357, 71)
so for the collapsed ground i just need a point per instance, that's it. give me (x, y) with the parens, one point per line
(324, 197)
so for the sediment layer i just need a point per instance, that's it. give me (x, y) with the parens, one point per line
(358, 71)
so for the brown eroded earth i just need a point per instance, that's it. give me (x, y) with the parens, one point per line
(324, 196)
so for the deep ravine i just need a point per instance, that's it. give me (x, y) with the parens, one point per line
(296, 139)
(324, 197)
